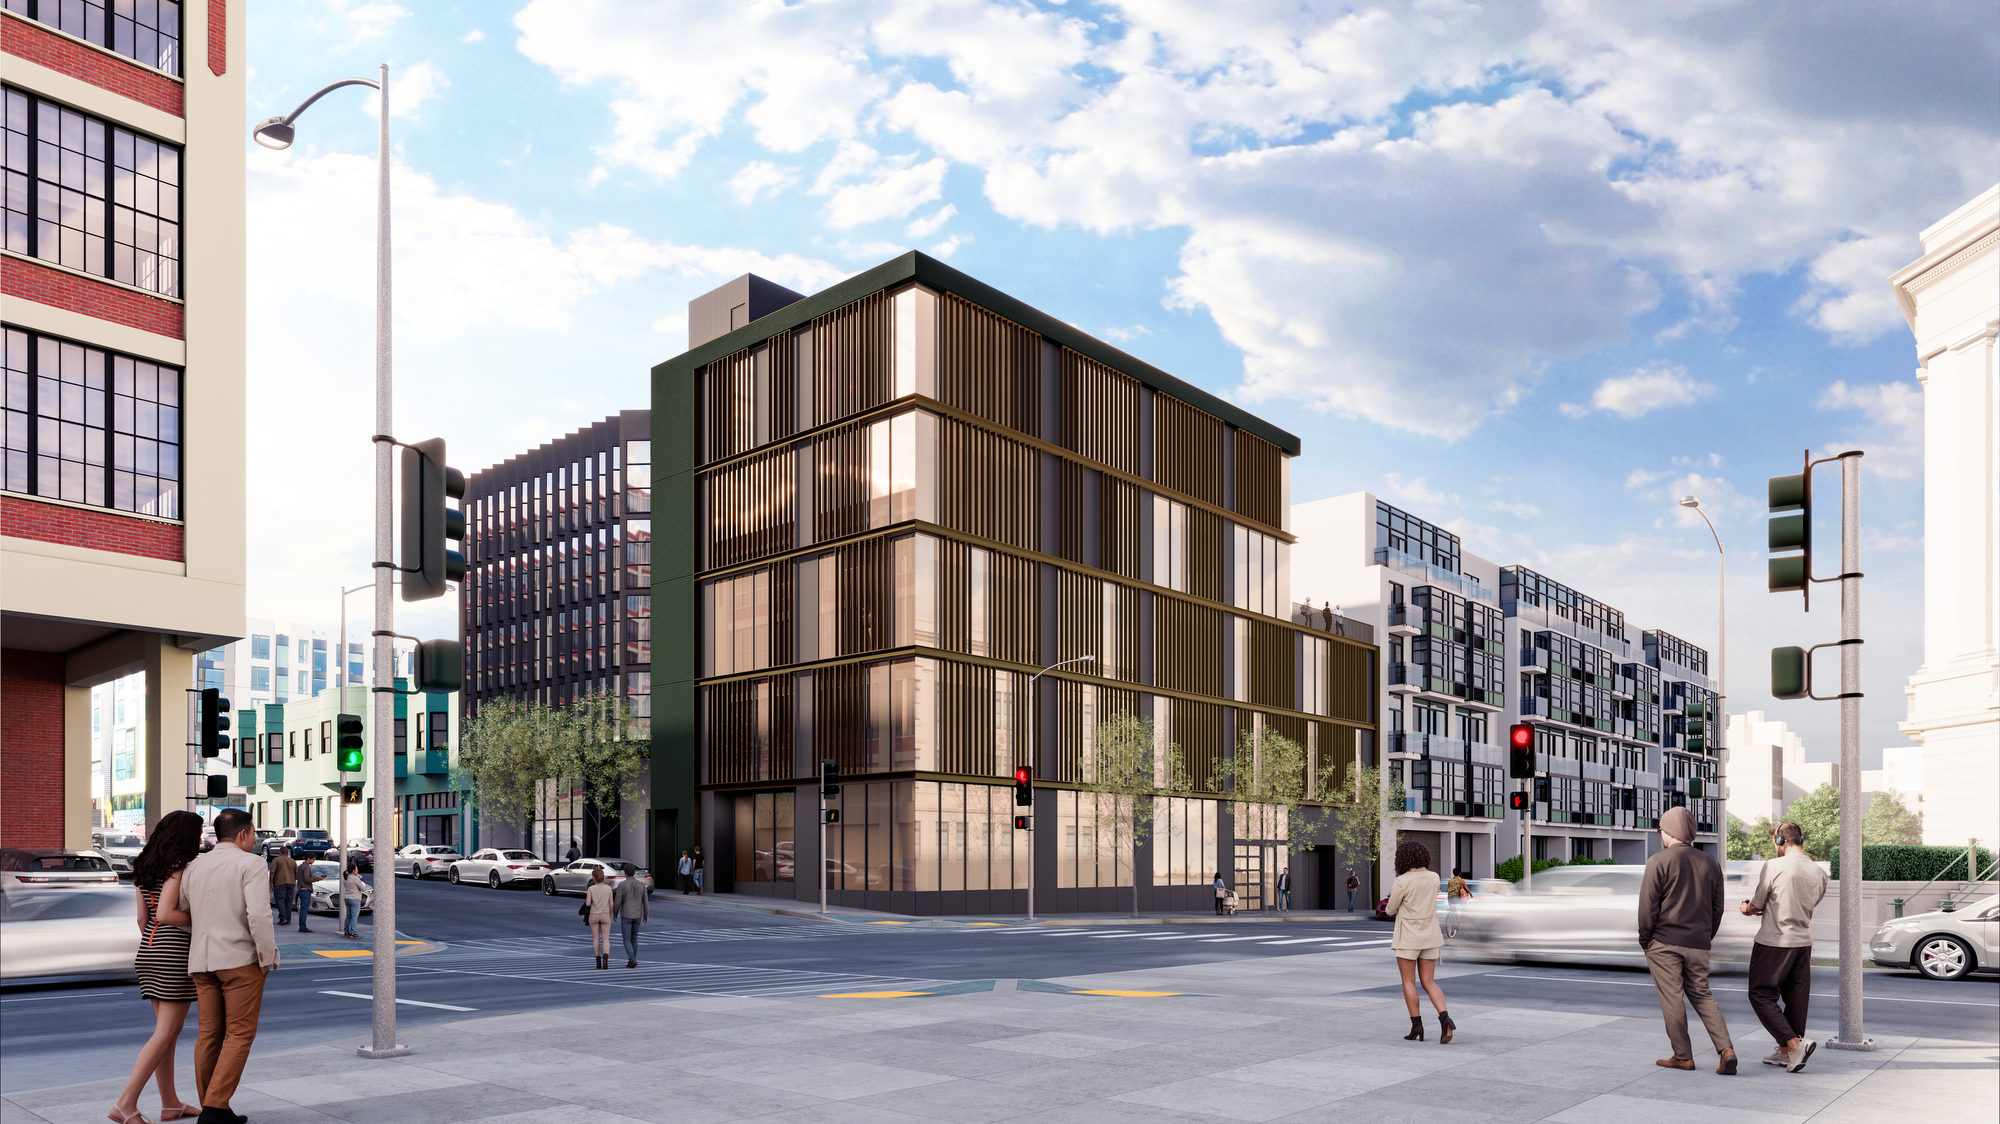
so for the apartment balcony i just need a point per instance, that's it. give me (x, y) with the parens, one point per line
(1404, 678)
(1436, 575)
(1535, 659)
(1405, 620)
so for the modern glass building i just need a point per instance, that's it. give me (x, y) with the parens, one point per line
(883, 510)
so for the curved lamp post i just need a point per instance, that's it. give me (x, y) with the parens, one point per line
(278, 133)
(1721, 663)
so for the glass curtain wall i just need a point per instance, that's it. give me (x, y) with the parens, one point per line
(764, 836)
(926, 836)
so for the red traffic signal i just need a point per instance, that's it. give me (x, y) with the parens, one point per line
(1521, 751)
(1024, 787)
(1517, 801)
(1023, 823)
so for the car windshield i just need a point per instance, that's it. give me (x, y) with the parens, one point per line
(67, 862)
(123, 841)
(57, 907)
(530, 855)
(314, 833)
(325, 870)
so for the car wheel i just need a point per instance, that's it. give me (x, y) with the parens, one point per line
(416, 872)
(493, 880)
(454, 876)
(549, 886)
(1944, 958)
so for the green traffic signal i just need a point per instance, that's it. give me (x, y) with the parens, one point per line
(1788, 673)
(347, 728)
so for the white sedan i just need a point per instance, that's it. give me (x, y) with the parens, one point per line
(497, 867)
(419, 860)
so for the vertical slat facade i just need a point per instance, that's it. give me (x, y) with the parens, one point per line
(840, 483)
(1271, 665)
(1259, 479)
(752, 509)
(1099, 412)
(1118, 546)
(853, 358)
(988, 486)
(988, 366)
(1187, 449)
(1187, 647)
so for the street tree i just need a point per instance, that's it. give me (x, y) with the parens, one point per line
(1277, 795)
(1818, 815)
(1366, 811)
(1889, 820)
(1130, 765)
(598, 750)
(511, 752)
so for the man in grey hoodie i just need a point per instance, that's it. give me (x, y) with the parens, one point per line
(1680, 908)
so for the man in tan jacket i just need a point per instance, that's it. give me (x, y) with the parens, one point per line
(226, 893)
(1788, 890)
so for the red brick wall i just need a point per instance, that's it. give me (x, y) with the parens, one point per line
(31, 748)
(218, 36)
(35, 282)
(106, 71)
(24, 518)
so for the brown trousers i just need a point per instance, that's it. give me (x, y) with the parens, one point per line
(230, 1001)
(1681, 977)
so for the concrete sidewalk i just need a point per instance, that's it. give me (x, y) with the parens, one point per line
(786, 907)
(1285, 1039)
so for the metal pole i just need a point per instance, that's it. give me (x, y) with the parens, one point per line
(340, 692)
(1033, 769)
(1851, 1034)
(384, 1043)
(825, 871)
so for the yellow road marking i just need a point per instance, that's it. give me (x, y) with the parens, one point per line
(878, 995)
(349, 952)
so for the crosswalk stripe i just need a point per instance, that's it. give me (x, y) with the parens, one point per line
(1224, 940)
(1307, 940)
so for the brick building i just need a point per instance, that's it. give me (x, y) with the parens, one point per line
(121, 298)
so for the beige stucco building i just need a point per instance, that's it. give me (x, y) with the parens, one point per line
(1951, 297)
(123, 308)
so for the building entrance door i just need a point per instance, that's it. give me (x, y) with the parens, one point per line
(1253, 862)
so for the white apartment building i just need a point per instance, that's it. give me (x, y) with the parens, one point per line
(278, 665)
(1951, 298)
(1768, 767)
(1471, 647)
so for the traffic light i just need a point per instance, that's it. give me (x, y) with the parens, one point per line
(829, 815)
(350, 792)
(1791, 529)
(1520, 751)
(347, 729)
(428, 525)
(218, 786)
(440, 665)
(1697, 726)
(214, 721)
(1024, 787)
(1023, 823)
(829, 780)
(1789, 679)
(1517, 801)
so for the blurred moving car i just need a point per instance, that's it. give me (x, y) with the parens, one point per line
(1587, 914)
(118, 847)
(496, 867)
(73, 931)
(1943, 946)
(575, 877)
(24, 867)
(421, 860)
(326, 891)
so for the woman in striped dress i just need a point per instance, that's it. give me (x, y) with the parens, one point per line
(162, 962)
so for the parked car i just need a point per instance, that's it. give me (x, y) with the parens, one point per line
(23, 867)
(362, 852)
(305, 842)
(118, 847)
(1587, 914)
(498, 868)
(326, 891)
(421, 860)
(75, 931)
(1943, 946)
(575, 878)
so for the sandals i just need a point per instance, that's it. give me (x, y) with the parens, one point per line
(134, 1117)
(184, 1112)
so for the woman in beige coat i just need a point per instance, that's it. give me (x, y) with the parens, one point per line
(1417, 940)
(597, 900)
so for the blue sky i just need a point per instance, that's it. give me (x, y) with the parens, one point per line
(1531, 273)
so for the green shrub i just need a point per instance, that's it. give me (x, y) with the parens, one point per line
(1887, 862)
(1511, 869)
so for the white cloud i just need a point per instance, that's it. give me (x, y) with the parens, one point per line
(473, 36)
(948, 247)
(863, 186)
(1639, 478)
(930, 224)
(1518, 509)
(409, 88)
(1646, 390)
(1573, 409)
(369, 20)
(1415, 492)
(1126, 335)
(760, 177)
(1893, 433)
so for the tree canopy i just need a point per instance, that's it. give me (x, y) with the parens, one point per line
(510, 746)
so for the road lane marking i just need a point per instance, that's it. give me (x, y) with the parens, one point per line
(411, 1002)
(1112, 936)
(1177, 937)
(1127, 994)
(1221, 940)
(1712, 987)
(76, 995)
(1308, 940)
(878, 995)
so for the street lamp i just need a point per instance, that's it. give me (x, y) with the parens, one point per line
(278, 133)
(1031, 817)
(1721, 716)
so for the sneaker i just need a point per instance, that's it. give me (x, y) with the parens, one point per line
(1780, 1057)
(1802, 1055)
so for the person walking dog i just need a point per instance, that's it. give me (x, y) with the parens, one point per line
(1353, 887)
(1680, 908)
(631, 905)
(597, 911)
(308, 874)
(1417, 940)
(284, 883)
(1789, 888)
(162, 963)
(232, 950)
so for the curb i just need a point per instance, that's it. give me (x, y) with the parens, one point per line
(994, 921)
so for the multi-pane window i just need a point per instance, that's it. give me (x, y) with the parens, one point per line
(1404, 533)
(92, 427)
(1258, 564)
(145, 31)
(85, 194)
(1170, 543)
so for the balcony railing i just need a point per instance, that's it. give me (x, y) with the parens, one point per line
(1465, 584)
(1318, 619)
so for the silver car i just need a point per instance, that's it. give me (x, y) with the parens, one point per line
(497, 867)
(71, 931)
(419, 860)
(1943, 946)
(326, 891)
(23, 868)
(121, 849)
(575, 877)
(1586, 914)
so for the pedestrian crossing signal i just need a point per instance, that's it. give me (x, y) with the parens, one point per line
(1024, 823)
(1517, 801)
(830, 816)
(350, 792)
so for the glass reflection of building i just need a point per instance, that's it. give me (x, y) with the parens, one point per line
(902, 498)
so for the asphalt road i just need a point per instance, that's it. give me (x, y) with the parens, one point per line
(511, 951)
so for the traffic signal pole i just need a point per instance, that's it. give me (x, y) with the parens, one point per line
(1851, 1036)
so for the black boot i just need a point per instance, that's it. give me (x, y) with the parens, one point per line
(1416, 1029)
(1445, 1027)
